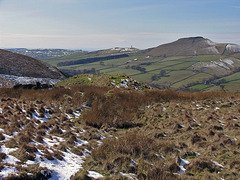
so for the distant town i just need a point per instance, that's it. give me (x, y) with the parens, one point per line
(43, 53)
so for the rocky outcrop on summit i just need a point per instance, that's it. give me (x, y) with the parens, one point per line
(20, 65)
(191, 46)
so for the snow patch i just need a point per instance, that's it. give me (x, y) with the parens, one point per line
(29, 80)
(11, 160)
(233, 47)
(197, 154)
(6, 150)
(95, 175)
(217, 164)
(212, 49)
(36, 116)
(228, 61)
(128, 175)
(182, 164)
(62, 169)
(8, 170)
(216, 108)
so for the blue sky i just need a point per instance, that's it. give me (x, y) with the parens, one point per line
(97, 24)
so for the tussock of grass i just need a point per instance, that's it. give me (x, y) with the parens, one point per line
(31, 172)
(39, 139)
(2, 156)
(55, 130)
(2, 137)
(12, 143)
(121, 154)
(130, 144)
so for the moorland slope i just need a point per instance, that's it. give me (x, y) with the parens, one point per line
(20, 65)
(115, 133)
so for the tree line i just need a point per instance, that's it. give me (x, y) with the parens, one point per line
(92, 60)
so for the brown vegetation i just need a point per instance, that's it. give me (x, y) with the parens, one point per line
(145, 133)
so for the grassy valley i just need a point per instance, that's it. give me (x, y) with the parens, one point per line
(161, 67)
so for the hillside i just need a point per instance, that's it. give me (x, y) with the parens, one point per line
(92, 132)
(188, 47)
(194, 63)
(15, 66)
(103, 80)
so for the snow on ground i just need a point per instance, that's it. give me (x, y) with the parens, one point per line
(221, 64)
(228, 61)
(59, 169)
(62, 169)
(182, 164)
(124, 83)
(94, 174)
(212, 49)
(217, 164)
(11, 160)
(8, 170)
(129, 176)
(36, 116)
(216, 108)
(233, 47)
(29, 80)
(197, 154)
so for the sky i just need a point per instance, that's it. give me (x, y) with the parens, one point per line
(100, 24)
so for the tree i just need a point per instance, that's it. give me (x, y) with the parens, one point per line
(162, 73)
(155, 77)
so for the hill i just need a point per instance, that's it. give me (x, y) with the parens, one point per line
(13, 66)
(91, 132)
(194, 63)
(103, 80)
(192, 46)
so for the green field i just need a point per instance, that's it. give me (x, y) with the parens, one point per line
(180, 72)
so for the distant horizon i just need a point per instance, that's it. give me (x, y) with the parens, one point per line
(94, 24)
(96, 49)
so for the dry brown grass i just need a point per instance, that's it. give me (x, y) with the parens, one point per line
(153, 136)
(39, 139)
(11, 143)
(2, 156)
(23, 155)
(202, 164)
(132, 144)
(2, 137)
(48, 155)
(121, 153)
(55, 130)
(30, 172)
(118, 110)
